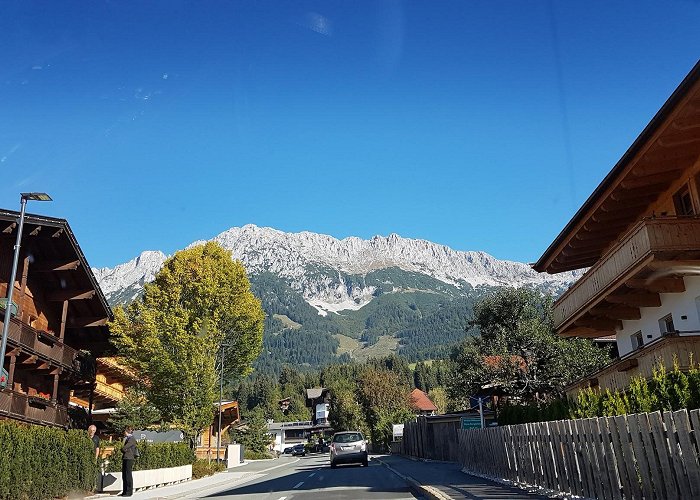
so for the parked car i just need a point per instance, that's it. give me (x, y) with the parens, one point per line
(299, 449)
(288, 450)
(348, 447)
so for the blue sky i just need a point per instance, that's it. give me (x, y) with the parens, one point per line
(479, 125)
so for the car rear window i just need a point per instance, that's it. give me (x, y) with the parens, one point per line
(347, 438)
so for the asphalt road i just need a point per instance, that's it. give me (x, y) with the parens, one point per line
(312, 478)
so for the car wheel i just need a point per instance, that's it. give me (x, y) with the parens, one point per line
(365, 463)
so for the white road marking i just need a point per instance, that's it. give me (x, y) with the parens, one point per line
(278, 466)
(298, 484)
(281, 498)
(312, 474)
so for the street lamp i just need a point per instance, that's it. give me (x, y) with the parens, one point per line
(24, 197)
(221, 396)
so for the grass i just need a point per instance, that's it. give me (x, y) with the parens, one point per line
(427, 362)
(386, 344)
(287, 322)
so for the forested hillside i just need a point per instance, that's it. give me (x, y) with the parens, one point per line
(421, 316)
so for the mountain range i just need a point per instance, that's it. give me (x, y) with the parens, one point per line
(328, 299)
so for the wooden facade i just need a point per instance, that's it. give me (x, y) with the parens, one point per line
(639, 236)
(683, 349)
(230, 417)
(60, 323)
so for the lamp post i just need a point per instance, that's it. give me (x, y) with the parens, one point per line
(221, 396)
(24, 197)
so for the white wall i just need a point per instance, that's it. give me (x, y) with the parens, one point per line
(679, 305)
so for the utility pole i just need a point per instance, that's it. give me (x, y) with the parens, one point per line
(481, 412)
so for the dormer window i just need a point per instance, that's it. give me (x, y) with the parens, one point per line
(666, 324)
(683, 202)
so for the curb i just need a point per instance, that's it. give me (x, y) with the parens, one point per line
(427, 491)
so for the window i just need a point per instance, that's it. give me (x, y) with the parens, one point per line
(666, 324)
(683, 202)
(350, 437)
(637, 340)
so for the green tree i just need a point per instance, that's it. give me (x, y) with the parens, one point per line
(345, 412)
(199, 301)
(518, 350)
(385, 400)
(134, 410)
(438, 396)
(255, 436)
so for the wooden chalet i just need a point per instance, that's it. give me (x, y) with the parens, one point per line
(230, 417)
(639, 236)
(100, 398)
(421, 403)
(57, 322)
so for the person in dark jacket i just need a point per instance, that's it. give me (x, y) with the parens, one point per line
(129, 454)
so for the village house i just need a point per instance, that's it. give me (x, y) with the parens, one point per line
(99, 398)
(57, 320)
(639, 236)
(230, 417)
(421, 403)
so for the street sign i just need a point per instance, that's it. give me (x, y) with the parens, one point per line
(4, 376)
(470, 422)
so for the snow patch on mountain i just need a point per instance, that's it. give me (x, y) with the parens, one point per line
(318, 266)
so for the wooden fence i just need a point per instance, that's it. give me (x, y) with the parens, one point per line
(641, 456)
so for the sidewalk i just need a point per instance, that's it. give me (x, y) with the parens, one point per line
(247, 472)
(443, 480)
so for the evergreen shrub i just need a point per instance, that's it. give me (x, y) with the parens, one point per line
(664, 391)
(41, 462)
(201, 468)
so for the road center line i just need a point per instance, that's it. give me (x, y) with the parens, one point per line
(312, 474)
(298, 484)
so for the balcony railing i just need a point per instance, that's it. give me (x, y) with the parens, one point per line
(679, 347)
(32, 409)
(40, 343)
(647, 238)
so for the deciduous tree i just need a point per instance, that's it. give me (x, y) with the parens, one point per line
(518, 351)
(199, 301)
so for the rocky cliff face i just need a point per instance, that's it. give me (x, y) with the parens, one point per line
(329, 272)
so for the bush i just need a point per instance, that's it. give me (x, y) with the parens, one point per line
(511, 414)
(665, 391)
(42, 462)
(201, 468)
(152, 456)
(255, 455)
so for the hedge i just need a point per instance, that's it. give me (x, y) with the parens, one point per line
(152, 456)
(43, 462)
(664, 391)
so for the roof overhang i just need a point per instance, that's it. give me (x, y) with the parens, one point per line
(65, 274)
(669, 144)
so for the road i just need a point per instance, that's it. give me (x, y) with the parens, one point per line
(311, 478)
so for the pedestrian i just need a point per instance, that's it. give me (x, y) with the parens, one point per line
(95, 440)
(129, 454)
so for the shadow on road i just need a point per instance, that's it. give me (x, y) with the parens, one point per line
(375, 481)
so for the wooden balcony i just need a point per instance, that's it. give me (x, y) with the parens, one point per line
(32, 409)
(650, 259)
(683, 347)
(41, 344)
